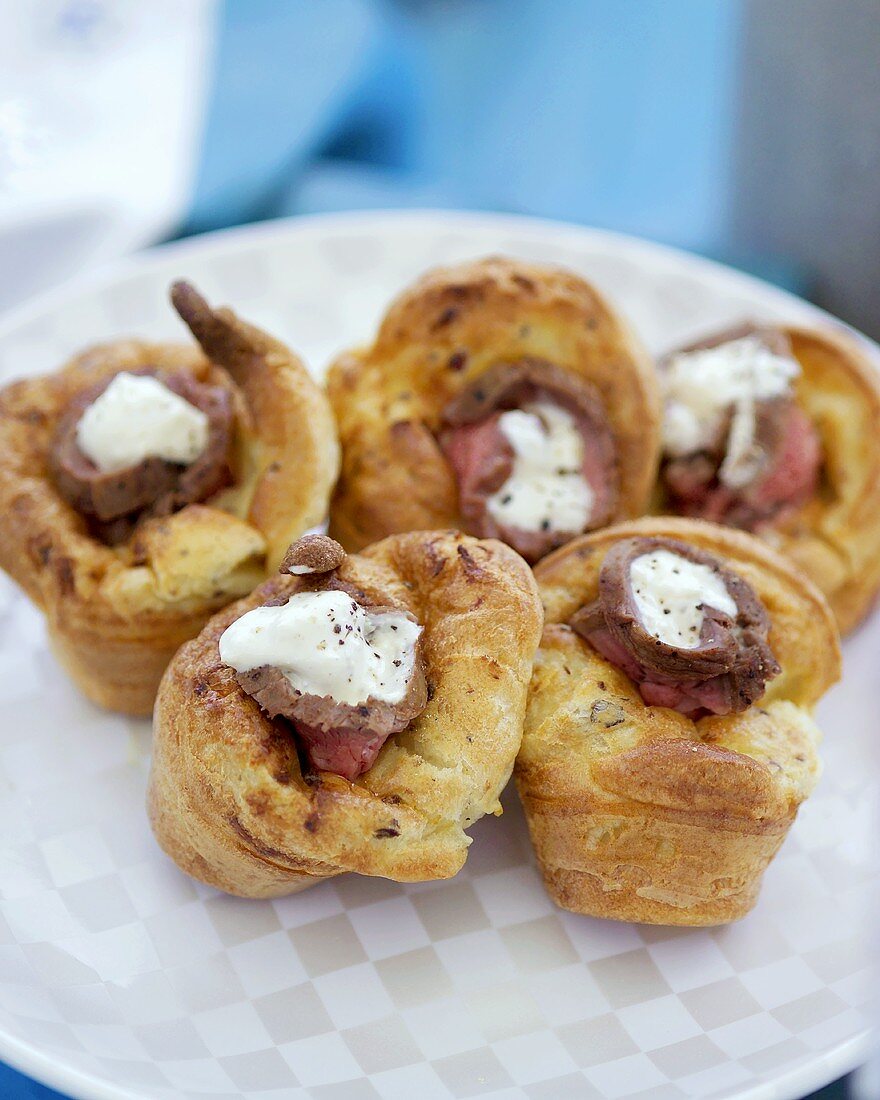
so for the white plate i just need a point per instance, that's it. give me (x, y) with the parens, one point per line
(119, 977)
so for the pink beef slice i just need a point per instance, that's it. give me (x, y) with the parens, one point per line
(793, 474)
(482, 457)
(785, 480)
(726, 673)
(337, 737)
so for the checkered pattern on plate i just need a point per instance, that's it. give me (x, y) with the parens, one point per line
(121, 977)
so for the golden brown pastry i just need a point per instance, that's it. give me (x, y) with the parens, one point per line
(504, 398)
(667, 811)
(775, 430)
(127, 552)
(248, 803)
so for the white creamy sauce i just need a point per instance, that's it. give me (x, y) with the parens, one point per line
(670, 594)
(137, 417)
(327, 644)
(743, 457)
(701, 386)
(546, 490)
(300, 570)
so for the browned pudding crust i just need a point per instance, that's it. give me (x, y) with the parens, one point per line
(483, 458)
(644, 814)
(337, 737)
(726, 673)
(153, 487)
(313, 553)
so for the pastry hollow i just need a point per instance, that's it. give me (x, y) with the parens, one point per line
(115, 615)
(835, 539)
(436, 339)
(835, 536)
(639, 813)
(228, 799)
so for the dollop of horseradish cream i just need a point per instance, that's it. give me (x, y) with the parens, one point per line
(701, 386)
(137, 417)
(327, 644)
(671, 594)
(546, 490)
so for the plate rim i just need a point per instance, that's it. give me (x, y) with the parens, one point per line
(813, 1074)
(28, 1058)
(241, 236)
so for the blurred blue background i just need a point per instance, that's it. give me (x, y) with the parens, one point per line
(747, 130)
(602, 112)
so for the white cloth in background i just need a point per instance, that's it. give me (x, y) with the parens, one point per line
(79, 78)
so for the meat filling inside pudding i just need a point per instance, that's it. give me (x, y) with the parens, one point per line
(691, 633)
(533, 455)
(141, 444)
(346, 672)
(737, 447)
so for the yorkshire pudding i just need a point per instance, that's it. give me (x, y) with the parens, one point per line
(641, 812)
(127, 569)
(500, 397)
(241, 800)
(813, 489)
